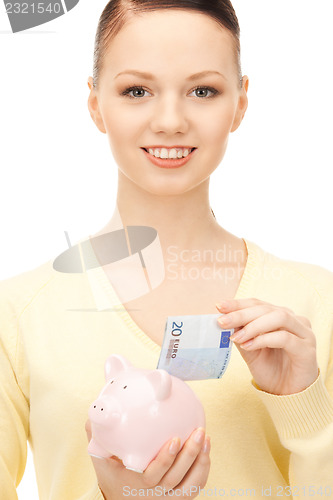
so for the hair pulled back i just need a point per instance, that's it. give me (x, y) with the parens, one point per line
(117, 12)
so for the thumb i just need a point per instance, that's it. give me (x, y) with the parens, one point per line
(88, 429)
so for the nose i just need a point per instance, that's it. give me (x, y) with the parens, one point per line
(100, 405)
(169, 116)
(103, 409)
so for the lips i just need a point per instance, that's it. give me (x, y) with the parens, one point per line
(169, 163)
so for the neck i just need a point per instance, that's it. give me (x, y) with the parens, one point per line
(183, 220)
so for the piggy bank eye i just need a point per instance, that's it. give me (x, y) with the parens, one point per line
(124, 386)
(111, 381)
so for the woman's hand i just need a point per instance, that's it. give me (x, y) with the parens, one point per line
(278, 346)
(184, 470)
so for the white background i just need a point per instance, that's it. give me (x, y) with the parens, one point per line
(273, 187)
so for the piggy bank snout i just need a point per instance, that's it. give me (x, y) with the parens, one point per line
(104, 410)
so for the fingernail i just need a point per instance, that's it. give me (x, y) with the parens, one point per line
(206, 448)
(222, 305)
(199, 435)
(174, 446)
(236, 336)
(225, 321)
(247, 344)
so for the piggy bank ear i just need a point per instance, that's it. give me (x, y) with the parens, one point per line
(114, 365)
(161, 382)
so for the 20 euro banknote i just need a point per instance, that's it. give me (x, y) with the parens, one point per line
(195, 347)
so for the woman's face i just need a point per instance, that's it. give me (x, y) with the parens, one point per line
(171, 45)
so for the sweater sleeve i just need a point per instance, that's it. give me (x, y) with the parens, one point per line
(14, 407)
(304, 423)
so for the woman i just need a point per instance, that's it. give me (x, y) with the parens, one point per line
(270, 419)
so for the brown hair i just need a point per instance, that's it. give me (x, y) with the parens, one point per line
(117, 12)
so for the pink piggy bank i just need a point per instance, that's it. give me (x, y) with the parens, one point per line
(138, 411)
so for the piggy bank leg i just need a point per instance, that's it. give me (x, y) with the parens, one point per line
(96, 450)
(133, 463)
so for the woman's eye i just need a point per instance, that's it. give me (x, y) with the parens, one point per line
(204, 90)
(138, 92)
(134, 89)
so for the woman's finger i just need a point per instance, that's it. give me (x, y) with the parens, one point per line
(185, 459)
(272, 321)
(280, 339)
(229, 306)
(304, 320)
(198, 474)
(241, 317)
(161, 463)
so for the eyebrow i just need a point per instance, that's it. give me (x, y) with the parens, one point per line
(149, 76)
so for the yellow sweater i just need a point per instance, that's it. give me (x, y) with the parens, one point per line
(53, 345)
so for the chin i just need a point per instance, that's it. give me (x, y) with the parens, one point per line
(170, 187)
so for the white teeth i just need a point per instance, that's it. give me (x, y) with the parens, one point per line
(164, 153)
(169, 153)
(154, 152)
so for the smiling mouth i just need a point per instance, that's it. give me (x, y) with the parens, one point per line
(190, 150)
(170, 162)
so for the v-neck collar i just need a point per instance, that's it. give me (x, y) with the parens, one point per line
(110, 300)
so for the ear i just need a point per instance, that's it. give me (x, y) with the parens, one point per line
(114, 365)
(161, 382)
(93, 107)
(242, 104)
